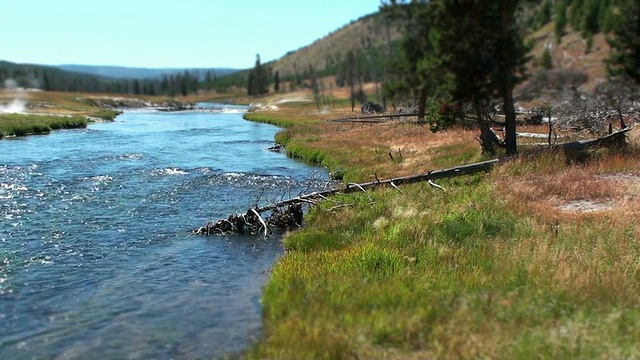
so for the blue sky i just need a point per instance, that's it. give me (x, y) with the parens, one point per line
(167, 33)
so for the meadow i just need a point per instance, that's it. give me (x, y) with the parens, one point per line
(539, 258)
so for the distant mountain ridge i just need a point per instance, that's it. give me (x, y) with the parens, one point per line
(110, 79)
(123, 72)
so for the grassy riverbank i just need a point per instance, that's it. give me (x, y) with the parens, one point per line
(26, 124)
(536, 259)
(43, 111)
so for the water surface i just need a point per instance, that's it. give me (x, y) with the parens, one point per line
(96, 257)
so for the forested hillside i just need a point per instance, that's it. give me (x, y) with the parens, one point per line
(365, 43)
(579, 41)
(51, 78)
(122, 72)
(571, 37)
(369, 41)
(472, 61)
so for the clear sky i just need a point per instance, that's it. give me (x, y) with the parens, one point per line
(167, 33)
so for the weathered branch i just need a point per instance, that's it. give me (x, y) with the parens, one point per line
(288, 213)
(371, 118)
(266, 229)
(292, 213)
(612, 138)
(435, 185)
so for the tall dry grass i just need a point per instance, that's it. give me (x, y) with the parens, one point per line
(365, 151)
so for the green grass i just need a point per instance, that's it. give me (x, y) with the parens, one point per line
(27, 124)
(435, 274)
(105, 114)
(473, 271)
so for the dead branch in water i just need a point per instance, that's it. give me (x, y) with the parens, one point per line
(287, 214)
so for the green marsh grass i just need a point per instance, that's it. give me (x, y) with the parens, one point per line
(26, 124)
(463, 276)
(490, 267)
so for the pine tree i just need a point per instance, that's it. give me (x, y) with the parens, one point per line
(625, 44)
(415, 69)
(546, 61)
(607, 20)
(544, 13)
(575, 13)
(560, 22)
(482, 47)
(136, 87)
(276, 81)
(258, 83)
(351, 77)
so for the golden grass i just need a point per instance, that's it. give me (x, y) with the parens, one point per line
(611, 180)
(365, 151)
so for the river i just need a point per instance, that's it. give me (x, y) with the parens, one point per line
(96, 255)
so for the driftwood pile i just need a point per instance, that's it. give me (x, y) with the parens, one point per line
(283, 218)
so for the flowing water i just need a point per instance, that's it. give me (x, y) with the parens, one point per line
(96, 255)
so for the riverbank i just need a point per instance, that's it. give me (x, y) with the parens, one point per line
(536, 259)
(40, 112)
(33, 124)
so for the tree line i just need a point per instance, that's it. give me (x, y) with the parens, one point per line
(463, 58)
(455, 58)
(54, 79)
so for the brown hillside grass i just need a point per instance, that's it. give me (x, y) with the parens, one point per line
(571, 54)
(333, 48)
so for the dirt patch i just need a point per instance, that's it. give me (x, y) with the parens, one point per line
(584, 206)
(629, 179)
(627, 190)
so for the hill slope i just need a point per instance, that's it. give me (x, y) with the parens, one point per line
(373, 37)
(571, 55)
(367, 33)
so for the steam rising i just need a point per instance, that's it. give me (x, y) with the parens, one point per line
(18, 104)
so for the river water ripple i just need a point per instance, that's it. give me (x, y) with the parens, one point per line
(96, 258)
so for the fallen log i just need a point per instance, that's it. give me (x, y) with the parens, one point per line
(353, 187)
(371, 118)
(574, 151)
(287, 214)
(616, 137)
(532, 135)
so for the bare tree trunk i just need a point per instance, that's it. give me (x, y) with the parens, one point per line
(510, 122)
(485, 139)
(509, 110)
(422, 106)
(488, 139)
